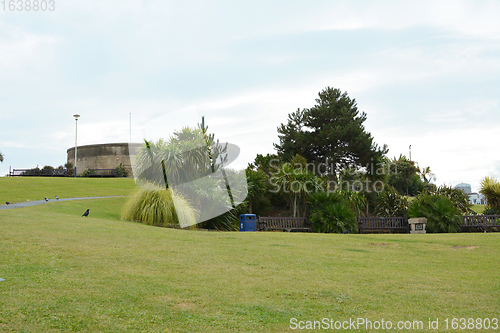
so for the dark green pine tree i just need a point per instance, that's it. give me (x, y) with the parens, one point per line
(330, 132)
(293, 138)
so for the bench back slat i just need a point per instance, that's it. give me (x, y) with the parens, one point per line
(480, 221)
(396, 223)
(283, 223)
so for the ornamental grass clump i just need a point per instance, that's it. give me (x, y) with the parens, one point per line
(155, 206)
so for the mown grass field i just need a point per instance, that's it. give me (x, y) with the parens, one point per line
(100, 274)
(19, 189)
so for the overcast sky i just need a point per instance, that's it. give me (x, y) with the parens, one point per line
(427, 73)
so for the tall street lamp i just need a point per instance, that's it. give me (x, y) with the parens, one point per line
(76, 138)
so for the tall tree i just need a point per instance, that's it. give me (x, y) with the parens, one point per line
(294, 182)
(266, 164)
(331, 132)
(403, 176)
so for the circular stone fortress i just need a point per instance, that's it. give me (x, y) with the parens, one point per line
(102, 156)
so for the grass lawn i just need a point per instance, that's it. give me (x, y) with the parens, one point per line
(99, 274)
(478, 208)
(19, 189)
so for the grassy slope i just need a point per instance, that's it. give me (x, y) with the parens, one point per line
(19, 189)
(67, 273)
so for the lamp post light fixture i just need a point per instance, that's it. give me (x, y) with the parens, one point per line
(76, 137)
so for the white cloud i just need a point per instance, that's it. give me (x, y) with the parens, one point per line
(414, 66)
(454, 155)
(12, 144)
(21, 50)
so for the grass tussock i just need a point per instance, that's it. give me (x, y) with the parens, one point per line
(155, 206)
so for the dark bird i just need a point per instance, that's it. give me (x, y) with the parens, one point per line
(46, 199)
(345, 231)
(86, 213)
(57, 198)
(7, 203)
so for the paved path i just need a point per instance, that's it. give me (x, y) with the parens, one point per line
(41, 202)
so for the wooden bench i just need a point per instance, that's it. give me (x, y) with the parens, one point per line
(284, 223)
(367, 224)
(479, 221)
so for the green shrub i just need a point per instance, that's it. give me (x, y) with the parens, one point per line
(391, 204)
(229, 221)
(71, 169)
(356, 200)
(88, 173)
(155, 206)
(441, 213)
(492, 211)
(331, 212)
(459, 198)
(257, 185)
(121, 171)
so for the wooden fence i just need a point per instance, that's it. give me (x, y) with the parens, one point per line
(38, 172)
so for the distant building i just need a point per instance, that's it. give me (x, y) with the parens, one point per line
(477, 199)
(464, 187)
(102, 156)
(474, 198)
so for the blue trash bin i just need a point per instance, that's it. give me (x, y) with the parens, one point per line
(248, 222)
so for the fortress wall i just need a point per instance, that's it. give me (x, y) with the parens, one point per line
(101, 156)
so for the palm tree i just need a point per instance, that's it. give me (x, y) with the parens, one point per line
(182, 158)
(295, 185)
(258, 183)
(190, 164)
(490, 188)
(427, 175)
(331, 212)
